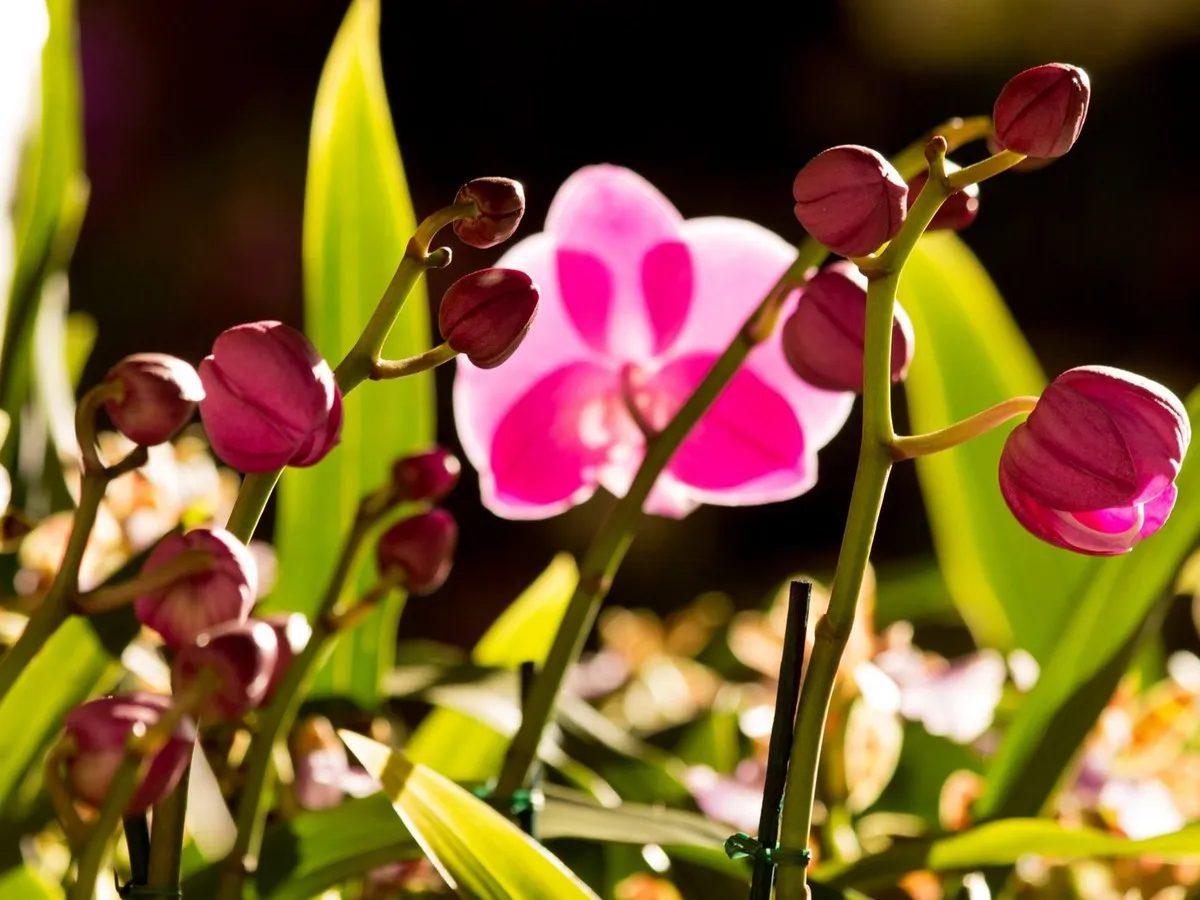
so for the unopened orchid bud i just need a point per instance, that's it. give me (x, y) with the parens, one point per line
(196, 602)
(426, 477)
(850, 199)
(485, 315)
(158, 395)
(957, 211)
(421, 548)
(1040, 112)
(270, 399)
(823, 339)
(292, 633)
(199, 600)
(239, 657)
(1093, 467)
(501, 204)
(101, 730)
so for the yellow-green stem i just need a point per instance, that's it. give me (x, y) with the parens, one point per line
(610, 543)
(166, 836)
(912, 446)
(985, 169)
(399, 368)
(277, 716)
(56, 605)
(866, 500)
(190, 562)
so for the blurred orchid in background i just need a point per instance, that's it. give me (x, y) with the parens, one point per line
(636, 305)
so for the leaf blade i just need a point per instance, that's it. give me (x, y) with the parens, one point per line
(357, 219)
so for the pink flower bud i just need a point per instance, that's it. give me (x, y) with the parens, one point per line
(193, 604)
(850, 199)
(422, 547)
(159, 393)
(271, 400)
(292, 633)
(823, 339)
(1093, 467)
(501, 203)
(426, 477)
(958, 210)
(101, 728)
(242, 656)
(1040, 111)
(485, 315)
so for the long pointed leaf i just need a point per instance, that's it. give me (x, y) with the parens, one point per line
(1123, 603)
(357, 219)
(479, 852)
(1011, 589)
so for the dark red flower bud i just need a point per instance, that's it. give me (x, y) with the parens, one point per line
(292, 633)
(426, 477)
(422, 547)
(1040, 111)
(485, 315)
(193, 604)
(823, 339)
(159, 393)
(242, 656)
(501, 204)
(850, 199)
(102, 728)
(958, 210)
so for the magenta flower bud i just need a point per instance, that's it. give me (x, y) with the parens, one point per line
(271, 400)
(850, 199)
(159, 393)
(426, 477)
(292, 633)
(101, 728)
(823, 339)
(242, 656)
(485, 315)
(422, 547)
(501, 204)
(1093, 467)
(195, 603)
(958, 210)
(1040, 111)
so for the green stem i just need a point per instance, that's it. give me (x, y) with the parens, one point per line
(277, 716)
(190, 562)
(985, 169)
(383, 369)
(910, 161)
(56, 605)
(866, 500)
(166, 837)
(612, 540)
(251, 501)
(912, 446)
(120, 792)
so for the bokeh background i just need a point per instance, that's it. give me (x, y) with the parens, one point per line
(197, 118)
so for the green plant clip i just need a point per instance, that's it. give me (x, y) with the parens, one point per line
(742, 846)
(521, 806)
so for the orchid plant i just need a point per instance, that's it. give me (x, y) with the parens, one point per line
(165, 691)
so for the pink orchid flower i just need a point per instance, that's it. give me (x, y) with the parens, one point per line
(636, 306)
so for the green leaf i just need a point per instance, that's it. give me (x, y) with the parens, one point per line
(998, 844)
(458, 745)
(357, 220)
(23, 883)
(1123, 604)
(1011, 589)
(81, 658)
(479, 852)
(313, 852)
(570, 814)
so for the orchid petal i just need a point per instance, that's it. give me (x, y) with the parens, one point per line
(617, 217)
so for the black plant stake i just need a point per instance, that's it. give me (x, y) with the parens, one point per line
(763, 849)
(525, 802)
(137, 837)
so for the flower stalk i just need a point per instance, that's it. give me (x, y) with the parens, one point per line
(866, 499)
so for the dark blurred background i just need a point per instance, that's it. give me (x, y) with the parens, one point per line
(197, 118)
